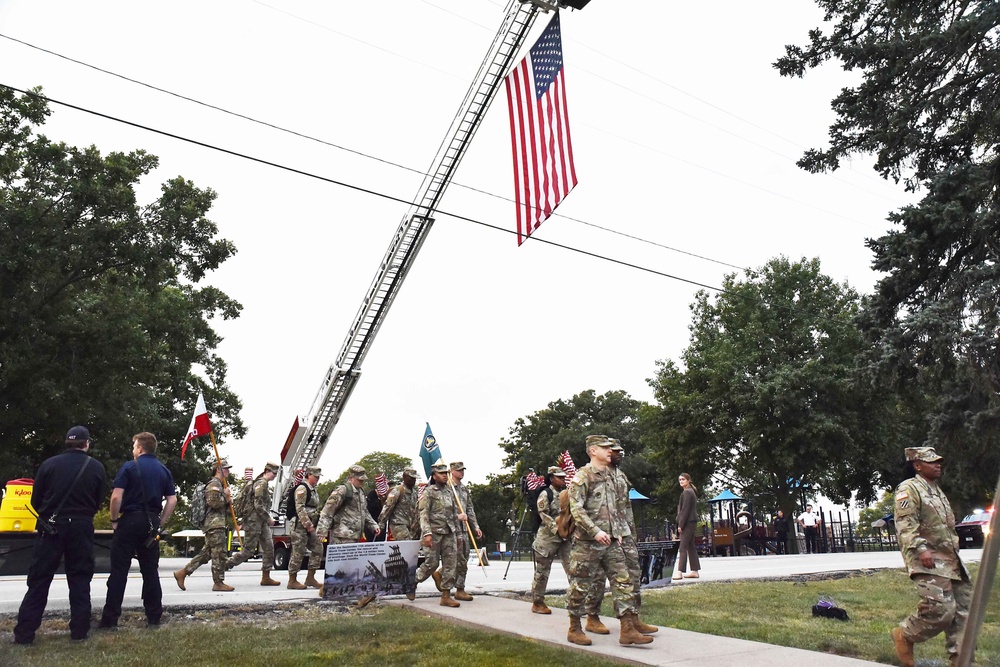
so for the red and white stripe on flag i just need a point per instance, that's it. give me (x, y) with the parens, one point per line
(381, 485)
(420, 490)
(199, 423)
(534, 481)
(299, 475)
(567, 465)
(542, 150)
(248, 474)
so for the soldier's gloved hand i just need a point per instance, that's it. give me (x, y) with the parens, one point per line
(927, 559)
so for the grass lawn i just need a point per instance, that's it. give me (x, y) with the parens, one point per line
(780, 612)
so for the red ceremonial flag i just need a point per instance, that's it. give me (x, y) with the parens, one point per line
(566, 463)
(199, 424)
(381, 485)
(248, 474)
(539, 132)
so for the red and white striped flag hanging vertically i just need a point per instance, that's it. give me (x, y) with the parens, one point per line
(248, 474)
(381, 485)
(298, 476)
(539, 131)
(567, 465)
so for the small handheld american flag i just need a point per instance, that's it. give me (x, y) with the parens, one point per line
(248, 474)
(299, 475)
(566, 463)
(420, 490)
(381, 485)
(533, 481)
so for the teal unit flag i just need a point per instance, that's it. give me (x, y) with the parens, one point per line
(430, 453)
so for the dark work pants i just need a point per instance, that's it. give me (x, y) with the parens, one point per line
(811, 534)
(74, 540)
(127, 543)
(782, 540)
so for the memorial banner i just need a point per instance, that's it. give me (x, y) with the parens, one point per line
(370, 568)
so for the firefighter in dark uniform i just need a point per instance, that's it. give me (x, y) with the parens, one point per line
(68, 490)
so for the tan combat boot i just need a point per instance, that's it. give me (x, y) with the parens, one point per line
(904, 647)
(446, 600)
(644, 628)
(575, 634)
(180, 575)
(436, 576)
(266, 580)
(293, 582)
(629, 634)
(540, 608)
(311, 579)
(222, 587)
(595, 625)
(460, 594)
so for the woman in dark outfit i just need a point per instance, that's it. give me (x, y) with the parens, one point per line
(687, 524)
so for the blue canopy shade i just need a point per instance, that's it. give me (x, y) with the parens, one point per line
(635, 495)
(725, 495)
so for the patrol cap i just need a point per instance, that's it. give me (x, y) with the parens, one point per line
(222, 463)
(270, 466)
(410, 472)
(925, 454)
(598, 440)
(78, 434)
(439, 467)
(313, 470)
(557, 471)
(616, 445)
(357, 472)
(457, 465)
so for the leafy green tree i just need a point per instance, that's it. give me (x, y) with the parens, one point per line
(872, 513)
(926, 109)
(105, 322)
(494, 502)
(385, 462)
(766, 401)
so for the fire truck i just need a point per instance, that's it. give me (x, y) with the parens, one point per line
(309, 435)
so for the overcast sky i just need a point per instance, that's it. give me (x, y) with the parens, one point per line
(684, 134)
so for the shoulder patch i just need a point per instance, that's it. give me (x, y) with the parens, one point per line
(902, 495)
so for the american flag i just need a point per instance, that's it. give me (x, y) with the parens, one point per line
(420, 490)
(381, 485)
(534, 481)
(539, 131)
(299, 475)
(248, 474)
(566, 463)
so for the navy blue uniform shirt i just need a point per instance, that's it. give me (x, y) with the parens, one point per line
(54, 477)
(155, 484)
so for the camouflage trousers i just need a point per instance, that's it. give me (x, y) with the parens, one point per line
(462, 562)
(543, 566)
(943, 606)
(304, 544)
(596, 594)
(588, 561)
(256, 535)
(215, 551)
(444, 549)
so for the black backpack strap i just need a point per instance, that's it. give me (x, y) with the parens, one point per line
(79, 474)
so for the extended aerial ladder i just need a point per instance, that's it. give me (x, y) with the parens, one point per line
(309, 436)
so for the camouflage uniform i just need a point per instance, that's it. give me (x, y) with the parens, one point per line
(214, 527)
(303, 542)
(548, 545)
(596, 594)
(399, 515)
(439, 519)
(924, 522)
(256, 527)
(462, 536)
(594, 504)
(347, 510)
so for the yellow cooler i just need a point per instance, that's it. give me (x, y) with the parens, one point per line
(14, 514)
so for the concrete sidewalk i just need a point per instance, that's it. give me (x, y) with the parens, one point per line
(669, 647)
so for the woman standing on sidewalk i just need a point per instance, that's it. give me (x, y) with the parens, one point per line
(687, 524)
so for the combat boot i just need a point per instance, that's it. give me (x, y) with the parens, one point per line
(575, 634)
(595, 625)
(180, 575)
(644, 628)
(629, 634)
(904, 647)
(540, 608)
(311, 579)
(222, 587)
(460, 594)
(293, 582)
(436, 575)
(266, 580)
(446, 600)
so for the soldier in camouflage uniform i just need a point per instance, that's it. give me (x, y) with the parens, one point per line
(302, 531)
(465, 503)
(257, 525)
(440, 523)
(597, 544)
(548, 545)
(929, 543)
(399, 517)
(347, 510)
(596, 595)
(217, 502)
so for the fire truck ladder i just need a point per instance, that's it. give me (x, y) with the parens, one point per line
(343, 374)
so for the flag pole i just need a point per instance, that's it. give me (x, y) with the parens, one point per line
(468, 528)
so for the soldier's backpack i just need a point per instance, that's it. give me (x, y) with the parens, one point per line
(244, 502)
(290, 502)
(565, 525)
(199, 508)
(536, 518)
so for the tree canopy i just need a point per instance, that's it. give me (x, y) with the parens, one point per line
(376, 462)
(765, 399)
(926, 108)
(105, 322)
